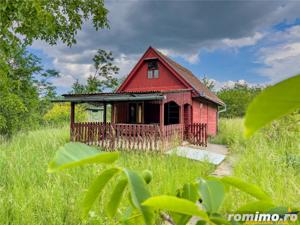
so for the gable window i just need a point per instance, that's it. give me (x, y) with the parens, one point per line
(153, 71)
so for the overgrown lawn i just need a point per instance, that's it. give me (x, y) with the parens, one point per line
(29, 195)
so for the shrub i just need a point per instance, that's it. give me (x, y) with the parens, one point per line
(60, 113)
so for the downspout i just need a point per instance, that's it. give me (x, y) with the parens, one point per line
(222, 110)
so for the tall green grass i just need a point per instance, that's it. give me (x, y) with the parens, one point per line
(28, 195)
(269, 159)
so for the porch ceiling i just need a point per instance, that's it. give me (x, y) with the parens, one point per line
(109, 97)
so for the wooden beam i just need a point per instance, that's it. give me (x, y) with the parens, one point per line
(72, 119)
(104, 113)
(162, 116)
(181, 114)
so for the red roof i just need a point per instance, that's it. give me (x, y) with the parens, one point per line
(182, 73)
(189, 77)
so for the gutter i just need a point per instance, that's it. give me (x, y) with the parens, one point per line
(221, 111)
(109, 99)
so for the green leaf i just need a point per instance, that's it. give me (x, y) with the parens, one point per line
(174, 204)
(132, 217)
(76, 154)
(139, 193)
(116, 197)
(257, 206)
(212, 193)
(251, 189)
(190, 192)
(96, 188)
(273, 103)
(219, 220)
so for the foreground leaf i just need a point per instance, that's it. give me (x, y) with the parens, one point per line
(174, 204)
(139, 193)
(257, 206)
(76, 154)
(96, 188)
(116, 197)
(251, 189)
(212, 193)
(273, 103)
(190, 192)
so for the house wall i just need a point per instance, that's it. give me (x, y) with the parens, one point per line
(140, 81)
(204, 112)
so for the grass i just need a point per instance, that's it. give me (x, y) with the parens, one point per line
(270, 159)
(31, 196)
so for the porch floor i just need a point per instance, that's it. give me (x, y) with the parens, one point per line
(213, 153)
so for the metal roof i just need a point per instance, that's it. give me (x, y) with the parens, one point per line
(109, 97)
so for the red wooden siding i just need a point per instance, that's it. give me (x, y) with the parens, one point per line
(140, 81)
(121, 112)
(205, 113)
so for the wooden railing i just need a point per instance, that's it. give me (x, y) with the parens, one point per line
(137, 136)
(114, 136)
(173, 135)
(196, 133)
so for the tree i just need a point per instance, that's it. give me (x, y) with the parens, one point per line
(78, 88)
(104, 77)
(20, 91)
(237, 98)
(21, 23)
(210, 84)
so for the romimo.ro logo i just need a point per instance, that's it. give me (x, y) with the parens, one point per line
(266, 218)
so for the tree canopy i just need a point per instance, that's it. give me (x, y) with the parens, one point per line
(22, 79)
(237, 99)
(104, 77)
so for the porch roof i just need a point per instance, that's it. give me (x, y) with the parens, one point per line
(110, 97)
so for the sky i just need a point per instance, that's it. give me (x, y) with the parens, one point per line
(257, 42)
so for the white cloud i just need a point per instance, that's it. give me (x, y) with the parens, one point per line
(230, 84)
(191, 58)
(282, 56)
(133, 30)
(243, 42)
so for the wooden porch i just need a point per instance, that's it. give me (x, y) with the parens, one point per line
(148, 121)
(138, 136)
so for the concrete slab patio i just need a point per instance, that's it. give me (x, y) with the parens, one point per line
(213, 153)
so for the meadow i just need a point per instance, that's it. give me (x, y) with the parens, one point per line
(270, 159)
(29, 195)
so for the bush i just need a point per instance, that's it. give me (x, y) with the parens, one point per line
(60, 113)
(237, 99)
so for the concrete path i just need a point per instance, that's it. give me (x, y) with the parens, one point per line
(213, 153)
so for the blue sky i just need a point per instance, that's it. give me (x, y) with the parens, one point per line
(252, 43)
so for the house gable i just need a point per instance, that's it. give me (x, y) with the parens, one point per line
(138, 81)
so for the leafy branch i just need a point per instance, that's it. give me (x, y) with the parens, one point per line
(202, 199)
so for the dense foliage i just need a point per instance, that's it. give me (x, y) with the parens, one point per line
(59, 113)
(22, 79)
(25, 93)
(237, 99)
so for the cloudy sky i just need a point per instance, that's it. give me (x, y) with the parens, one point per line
(254, 41)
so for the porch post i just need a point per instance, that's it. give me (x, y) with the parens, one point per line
(72, 119)
(104, 113)
(112, 114)
(181, 114)
(162, 116)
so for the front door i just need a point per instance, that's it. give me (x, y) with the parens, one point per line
(136, 112)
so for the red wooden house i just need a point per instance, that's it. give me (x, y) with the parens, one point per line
(158, 99)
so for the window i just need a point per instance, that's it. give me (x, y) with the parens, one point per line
(153, 69)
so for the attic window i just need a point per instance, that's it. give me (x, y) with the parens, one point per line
(153, 69)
